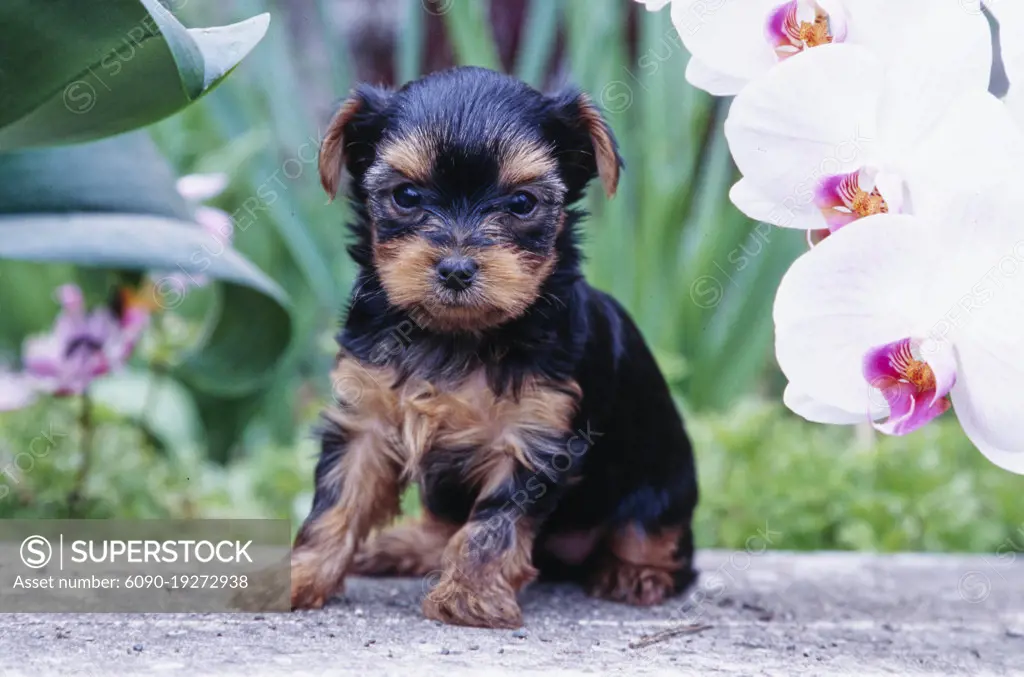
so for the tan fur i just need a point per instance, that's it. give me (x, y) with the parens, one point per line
(413, 156)
(604, 148)
(523, 162)
(507, 282)
(408, 549)
(332, 150)
(482, 593)
(638, 568)
(409, 420)
(406, 269)
(510, 278)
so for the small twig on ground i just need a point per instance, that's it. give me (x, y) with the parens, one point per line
(666, 635)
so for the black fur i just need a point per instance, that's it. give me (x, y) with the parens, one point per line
(629, 459)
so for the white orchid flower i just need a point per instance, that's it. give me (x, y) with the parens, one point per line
(912, 317)
(835, 135)
(733, 42)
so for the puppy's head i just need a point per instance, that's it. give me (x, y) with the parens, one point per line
(463, 179)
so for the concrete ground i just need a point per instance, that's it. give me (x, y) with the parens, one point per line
(752, 614)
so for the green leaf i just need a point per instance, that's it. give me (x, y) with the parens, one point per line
(409, 47)
(111, 204)
(540, 33)
(78, 70)
(157, 402)
(470, 32)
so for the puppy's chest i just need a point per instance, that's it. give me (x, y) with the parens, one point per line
(463, 425)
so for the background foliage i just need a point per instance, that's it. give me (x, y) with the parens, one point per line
(697, 275)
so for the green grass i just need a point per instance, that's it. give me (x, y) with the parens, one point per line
(836, 488)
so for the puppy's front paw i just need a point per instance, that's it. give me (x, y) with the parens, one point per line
(266, 590)
(639, 585)
(311, 589)
(453, 603)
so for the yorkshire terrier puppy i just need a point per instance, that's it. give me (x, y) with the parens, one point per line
(477, 363)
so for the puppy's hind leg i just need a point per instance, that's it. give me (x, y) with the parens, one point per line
(643, 567)
(411, 549)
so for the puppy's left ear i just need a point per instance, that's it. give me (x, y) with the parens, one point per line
(586, 144)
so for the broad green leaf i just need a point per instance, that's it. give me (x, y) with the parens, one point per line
(157, 402)
(77, 70)
(111, 204)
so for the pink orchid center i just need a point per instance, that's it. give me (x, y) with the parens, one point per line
(844, 198)
(795, 26)
(914, 390)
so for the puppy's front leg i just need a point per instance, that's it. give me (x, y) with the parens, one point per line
(358, 484)
(357, 489)
(485, 564)
(521, 474)
(488, 561)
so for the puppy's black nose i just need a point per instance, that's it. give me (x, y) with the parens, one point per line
(457, 272)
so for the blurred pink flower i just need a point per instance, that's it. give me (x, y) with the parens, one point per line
(16, 391)
(215, 222)
(81, 347)
(200, 187)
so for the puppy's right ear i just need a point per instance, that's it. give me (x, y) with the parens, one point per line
(351, 138)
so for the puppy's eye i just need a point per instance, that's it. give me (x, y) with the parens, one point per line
(406, 196)
(522, 203)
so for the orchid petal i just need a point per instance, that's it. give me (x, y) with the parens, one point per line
(200, 187)
(728, 37)
(807, 407)
(755, 204)
(1015, 103)
(988, 400)
(974, 145)
(714, 82)
(778, 29)
(988, 333)
(941, 53)
(852, 292)
(811, 116)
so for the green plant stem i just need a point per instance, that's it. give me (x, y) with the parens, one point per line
(85, 424)
(157, 369)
